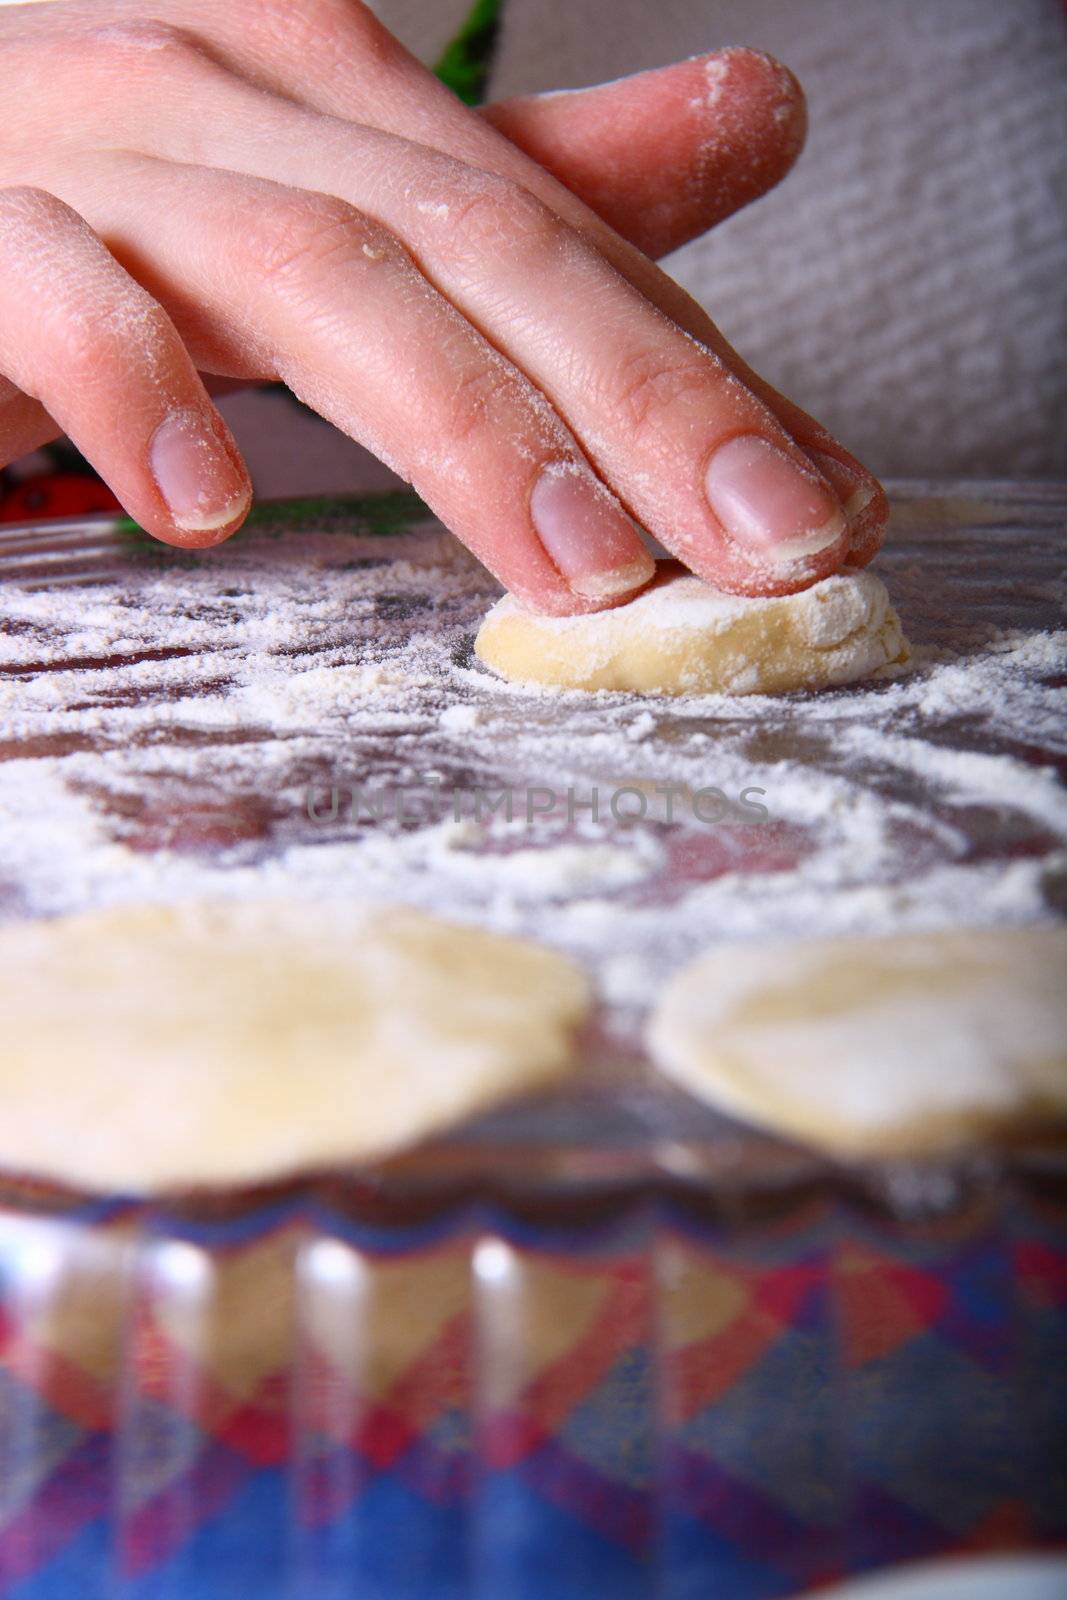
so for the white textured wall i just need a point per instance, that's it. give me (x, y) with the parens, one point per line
(908, 284)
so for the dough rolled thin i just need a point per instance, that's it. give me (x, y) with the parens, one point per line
(684, 636)
(149, 1048)
(898, 1045)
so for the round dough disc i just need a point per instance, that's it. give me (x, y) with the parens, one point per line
(895, 1045)
(684, 636)
(159, 1047)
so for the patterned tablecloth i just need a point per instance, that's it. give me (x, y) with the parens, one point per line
(317, 1395)
(747, 1381)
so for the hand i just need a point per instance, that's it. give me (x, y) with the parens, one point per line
(271, 190)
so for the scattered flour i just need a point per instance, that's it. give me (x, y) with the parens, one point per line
(227, 724)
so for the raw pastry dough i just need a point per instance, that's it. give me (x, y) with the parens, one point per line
(892, 1045)
(155, 1047)
(683, 636)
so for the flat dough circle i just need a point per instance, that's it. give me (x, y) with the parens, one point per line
(894, 1045)
(684, 636)
(159, 1047)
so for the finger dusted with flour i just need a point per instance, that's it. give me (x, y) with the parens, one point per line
(726, 127)
(103, 359)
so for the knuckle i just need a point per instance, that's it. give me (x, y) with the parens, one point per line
(497, 215)
(477, 402)
(82, 344)
(24, 202)
(294, 238)
(86, 314)
(354, 16)
(324, 28)
(144, 45)
(646, 386)
(115, 328)
(38, 233)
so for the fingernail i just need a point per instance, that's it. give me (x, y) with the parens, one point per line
(769, 505)
(588, 537)
(195, 473)
(854, 490)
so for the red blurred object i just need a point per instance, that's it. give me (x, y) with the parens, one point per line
(54, 494)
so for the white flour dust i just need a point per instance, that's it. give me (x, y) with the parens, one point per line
(300, 712)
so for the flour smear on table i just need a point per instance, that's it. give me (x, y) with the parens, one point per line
(194, 726)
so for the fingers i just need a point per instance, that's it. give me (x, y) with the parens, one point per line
(85, 341)
(861, 496)
(302, 287)
(662, 156)
(24, 424)
(660, 416)
(335, 56)
(694, 455)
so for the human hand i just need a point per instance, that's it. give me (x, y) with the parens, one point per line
(266, 190)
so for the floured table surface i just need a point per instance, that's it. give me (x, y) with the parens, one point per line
(300, 712)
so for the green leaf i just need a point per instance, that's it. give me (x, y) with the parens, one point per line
(467, 62)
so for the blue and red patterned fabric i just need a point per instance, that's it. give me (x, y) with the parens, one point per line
(669, 1400)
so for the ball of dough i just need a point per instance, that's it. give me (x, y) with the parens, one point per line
(160, 1047)
(684, 636)
(896, 1045)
